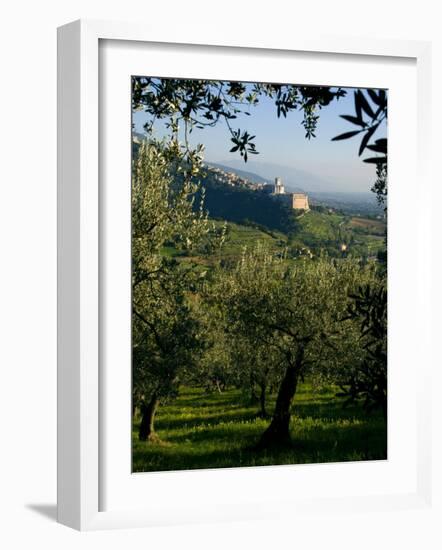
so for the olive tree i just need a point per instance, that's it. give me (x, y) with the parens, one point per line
(166, 335)
(366, 381)
(214, 371)
(257, 366)
(232, 357)
(296, 307)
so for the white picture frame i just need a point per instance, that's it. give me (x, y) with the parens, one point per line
(79, 275)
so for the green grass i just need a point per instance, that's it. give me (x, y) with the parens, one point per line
(213, 430)
(316, 230)
(365, 237)
(320, 226)
(240, 236)
(375, 227)
(237, 238)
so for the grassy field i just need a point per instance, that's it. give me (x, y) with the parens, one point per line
(375, 227)
(213, 430)
(315, 230)
(320, 226)
(238, 236)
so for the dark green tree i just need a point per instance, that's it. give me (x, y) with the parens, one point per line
(297, 309)
(167, 338)
(366, 381)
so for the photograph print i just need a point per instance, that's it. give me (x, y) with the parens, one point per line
(259, 274)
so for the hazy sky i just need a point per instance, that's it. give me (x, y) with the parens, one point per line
(281, 141)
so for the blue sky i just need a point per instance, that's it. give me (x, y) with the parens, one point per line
(281, 141)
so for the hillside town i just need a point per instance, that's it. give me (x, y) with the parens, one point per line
(297, 201)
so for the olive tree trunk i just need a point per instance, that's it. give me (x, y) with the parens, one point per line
(278, 432)
(147, 430)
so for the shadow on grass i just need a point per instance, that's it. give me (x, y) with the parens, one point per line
(175, 419)
(328, 409)
(198, 398)
(203, 430)
(209, 419)
(234, 446)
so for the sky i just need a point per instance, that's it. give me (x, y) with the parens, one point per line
(318, 164)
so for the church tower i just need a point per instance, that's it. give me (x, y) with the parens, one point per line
(279, 187)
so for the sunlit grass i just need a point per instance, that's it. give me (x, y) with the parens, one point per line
(213, 430)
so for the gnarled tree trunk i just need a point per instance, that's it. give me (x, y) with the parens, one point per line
(147, 431)
(278, 432)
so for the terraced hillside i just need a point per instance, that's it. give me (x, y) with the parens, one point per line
(330, 230)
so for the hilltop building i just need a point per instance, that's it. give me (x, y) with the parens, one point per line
(300, 201)
(279, 187)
